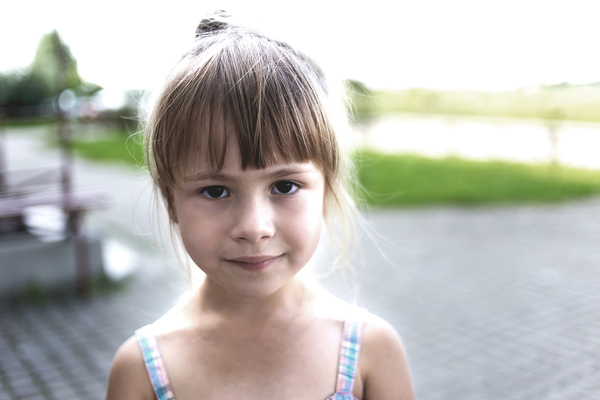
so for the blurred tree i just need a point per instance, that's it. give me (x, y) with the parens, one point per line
(20, 90)
(53, 70)
(56, 65)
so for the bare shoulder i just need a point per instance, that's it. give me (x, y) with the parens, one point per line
(383, 363)
(128, 377)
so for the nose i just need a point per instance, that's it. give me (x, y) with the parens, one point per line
(253, 220)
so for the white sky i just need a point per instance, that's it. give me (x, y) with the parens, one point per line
(468, 44)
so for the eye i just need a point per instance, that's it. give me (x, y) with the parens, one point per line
(215, 192)
(284, 187)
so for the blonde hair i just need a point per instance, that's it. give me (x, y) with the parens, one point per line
(238, 84)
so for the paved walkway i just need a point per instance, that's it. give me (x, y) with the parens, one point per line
(492, 303)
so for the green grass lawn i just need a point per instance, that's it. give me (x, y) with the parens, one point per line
(392, 180)
(29, 122)
(117, 149)
(410, 180)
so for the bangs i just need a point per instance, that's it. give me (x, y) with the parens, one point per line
(251, 89)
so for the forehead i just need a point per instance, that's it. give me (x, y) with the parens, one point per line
(199, 167)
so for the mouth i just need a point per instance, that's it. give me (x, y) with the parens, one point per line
(254, 263)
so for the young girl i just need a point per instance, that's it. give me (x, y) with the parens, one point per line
(243, 150)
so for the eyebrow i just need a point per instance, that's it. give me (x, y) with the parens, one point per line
(201, 176)
(287, 171)
(217, 176)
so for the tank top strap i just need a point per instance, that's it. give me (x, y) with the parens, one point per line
(154, 363)
(349, 351)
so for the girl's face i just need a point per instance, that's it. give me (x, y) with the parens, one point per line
(250, 231)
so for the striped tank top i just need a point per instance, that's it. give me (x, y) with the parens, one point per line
(347, 364)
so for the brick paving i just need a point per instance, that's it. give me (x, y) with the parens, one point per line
(63, 349)
(492, 303)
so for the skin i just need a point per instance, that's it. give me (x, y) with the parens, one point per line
(253, 330)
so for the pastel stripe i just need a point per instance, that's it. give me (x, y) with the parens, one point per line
(349, 351)
(154, 364)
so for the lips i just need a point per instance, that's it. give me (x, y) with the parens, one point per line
(254, 263)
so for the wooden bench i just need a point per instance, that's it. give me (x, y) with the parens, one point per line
(24, 189)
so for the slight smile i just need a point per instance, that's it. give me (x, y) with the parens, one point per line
(254, 263)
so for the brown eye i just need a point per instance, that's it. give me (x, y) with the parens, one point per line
(215, 192)
(284, 187)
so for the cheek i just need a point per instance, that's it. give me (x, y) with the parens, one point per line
(198, 232)
(315, 234)
(201, 245)
(306, 225)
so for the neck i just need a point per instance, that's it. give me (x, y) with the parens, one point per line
(284, 303)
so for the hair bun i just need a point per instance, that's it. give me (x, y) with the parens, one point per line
(214, 22)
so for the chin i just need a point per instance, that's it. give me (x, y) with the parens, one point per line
(259, 285)
(255, 292)
(257, 289)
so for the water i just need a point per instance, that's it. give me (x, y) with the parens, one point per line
(517, 140)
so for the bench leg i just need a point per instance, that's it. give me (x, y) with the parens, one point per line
(82, 253)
